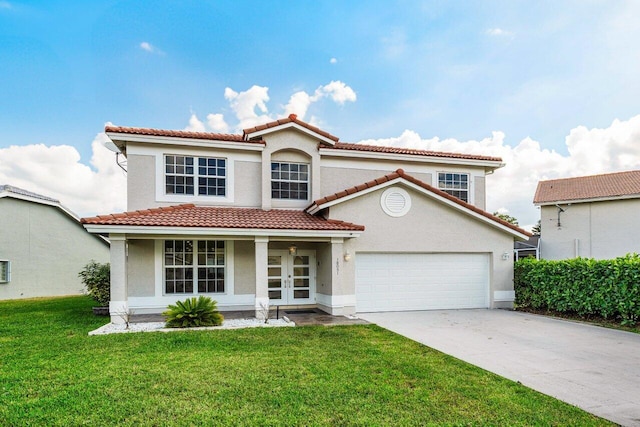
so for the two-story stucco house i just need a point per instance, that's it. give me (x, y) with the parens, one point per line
(285, 214)
(593, 216)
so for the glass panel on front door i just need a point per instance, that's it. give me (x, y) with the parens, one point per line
(290, 277)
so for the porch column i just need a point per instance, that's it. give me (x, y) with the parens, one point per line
(337, 250)
(262, 282)
(119, 304)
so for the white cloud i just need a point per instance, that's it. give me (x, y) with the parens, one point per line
(339, 92)
(150, 48)
(58, 172)
(244, 105)
(195, 125)
(511, 188)
(217, 124)
(250, 107)
(498, 32)
(333, 61)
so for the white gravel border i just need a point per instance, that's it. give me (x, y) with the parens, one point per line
(111, 328)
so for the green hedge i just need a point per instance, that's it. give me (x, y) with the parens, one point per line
(608, 288)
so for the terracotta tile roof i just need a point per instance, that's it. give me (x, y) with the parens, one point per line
(605, 186)
(401, 174)
(409, 151)
(291, 119)
(179, 134)
(189, 215)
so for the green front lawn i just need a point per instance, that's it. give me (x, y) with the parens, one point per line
(52, 373)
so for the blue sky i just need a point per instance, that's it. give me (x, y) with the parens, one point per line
(451, 70)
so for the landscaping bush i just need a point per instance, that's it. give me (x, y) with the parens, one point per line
(96, 278)
(193, 312)
(606, 288)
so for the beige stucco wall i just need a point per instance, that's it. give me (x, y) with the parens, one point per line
(479, 188)
(429, 226)
(245, 267)
(141, 268)
(141, 183)
(295, 145)
(600, 230)
(47, 250)
(337, 179)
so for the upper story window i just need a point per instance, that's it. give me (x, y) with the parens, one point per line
(204, 176)
(456, 184)
(289, 180)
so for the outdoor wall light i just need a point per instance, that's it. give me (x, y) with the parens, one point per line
(347, 256)
(505, 256)
(293, 249)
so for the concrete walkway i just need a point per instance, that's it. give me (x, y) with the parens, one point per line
(594, 368)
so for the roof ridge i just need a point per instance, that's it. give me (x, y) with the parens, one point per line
(179, 133)
(631, 172)
(410, 151)
(21, 191)
(292, 118)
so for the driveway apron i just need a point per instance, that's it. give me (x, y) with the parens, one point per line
(594, 368)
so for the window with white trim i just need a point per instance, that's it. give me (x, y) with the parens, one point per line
(456, 184)
(289, 180)
(194, 266)
(5, 271)
(204, 176)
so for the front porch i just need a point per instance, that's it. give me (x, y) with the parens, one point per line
(245, 274)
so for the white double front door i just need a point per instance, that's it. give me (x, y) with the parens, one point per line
(291, 277)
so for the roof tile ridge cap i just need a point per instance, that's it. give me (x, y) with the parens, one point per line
(355, 145)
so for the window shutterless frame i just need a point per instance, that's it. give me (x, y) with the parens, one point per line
(5, 271)
(193, 175)
(289, 181)
(194, 267)
(454, 183)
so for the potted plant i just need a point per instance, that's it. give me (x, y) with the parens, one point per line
(96, 278)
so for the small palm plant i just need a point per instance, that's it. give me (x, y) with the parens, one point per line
(193, 312)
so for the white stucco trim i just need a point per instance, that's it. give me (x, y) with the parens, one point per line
(501, 296)
(291, 125)
(332, 152)
(222, 232)
(187, 142)
(336, 301)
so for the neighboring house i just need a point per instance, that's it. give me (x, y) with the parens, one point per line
(527, 249)
(285, 214)
(590, 216)
(43, 246)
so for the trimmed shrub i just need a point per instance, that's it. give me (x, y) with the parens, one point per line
(193, 312)
(606, 288)
(96, 278)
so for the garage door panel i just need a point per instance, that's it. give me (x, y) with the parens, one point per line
(399, 282)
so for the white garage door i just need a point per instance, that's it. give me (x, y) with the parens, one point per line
(402, 282)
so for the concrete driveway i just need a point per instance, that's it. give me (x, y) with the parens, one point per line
(594, 368)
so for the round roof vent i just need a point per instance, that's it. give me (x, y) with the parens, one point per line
(395, 202)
